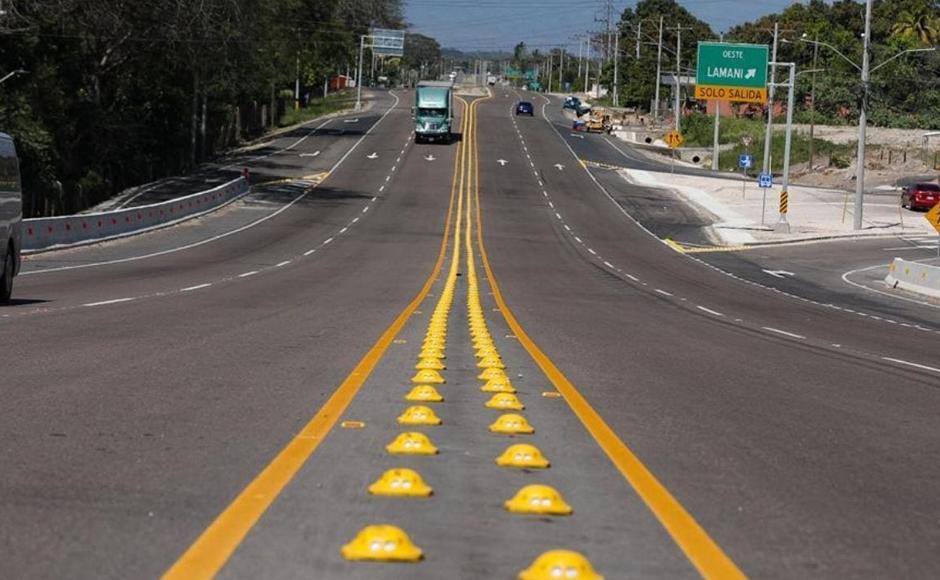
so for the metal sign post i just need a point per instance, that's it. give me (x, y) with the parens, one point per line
(382, 42)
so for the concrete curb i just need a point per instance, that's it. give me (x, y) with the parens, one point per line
(56, 233)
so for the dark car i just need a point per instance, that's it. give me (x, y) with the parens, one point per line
(525, 108)
(920, 195)
(573, 103)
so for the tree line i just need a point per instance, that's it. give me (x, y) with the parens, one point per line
(115, 93)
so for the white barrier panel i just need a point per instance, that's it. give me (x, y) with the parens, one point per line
(914, 277)
(64, 231)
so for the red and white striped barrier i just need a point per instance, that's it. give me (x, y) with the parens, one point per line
(60, 232)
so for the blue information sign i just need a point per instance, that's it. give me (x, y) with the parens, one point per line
(745, 161)
(765, 180)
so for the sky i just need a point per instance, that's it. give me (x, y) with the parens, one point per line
(472, 25)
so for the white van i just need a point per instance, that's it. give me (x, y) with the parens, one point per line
(11, 216)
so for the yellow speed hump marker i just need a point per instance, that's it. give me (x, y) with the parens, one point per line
(428, 376)
(524, 456)
(419, 415)
(538, 499)
(498, 385)
(491, 362)
(556, 564)
(401, 482)
(492, 373)
(512, 424)
(424, 393)
(433, 364)
(382, 543)
(505, 401)
(411, 443)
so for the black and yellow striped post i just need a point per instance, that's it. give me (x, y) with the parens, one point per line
(784, 202)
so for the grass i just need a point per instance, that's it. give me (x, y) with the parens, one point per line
(319, 107)
(699, 131)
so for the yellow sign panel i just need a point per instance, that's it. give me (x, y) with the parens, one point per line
(674, 139)
(933, 216)
(737, 94)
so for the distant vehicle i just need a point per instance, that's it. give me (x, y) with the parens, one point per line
(597, 122)
(491, 80)
(434, 111)
(572, 103)
(452, 76)
(920, 196)
(11, 216)
(525, 108)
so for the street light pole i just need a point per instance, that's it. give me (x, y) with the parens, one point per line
(362, 41)
(678, 82)
(862, 123)
(616, 67)
(768, 136)
(812, 107)
(659, 62)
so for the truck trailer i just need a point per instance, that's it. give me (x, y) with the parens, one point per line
(434, 111)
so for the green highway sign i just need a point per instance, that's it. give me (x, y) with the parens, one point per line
(731, 72)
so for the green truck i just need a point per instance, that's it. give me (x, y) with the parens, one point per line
(434, 111)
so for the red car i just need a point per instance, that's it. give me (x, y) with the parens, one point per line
(920, 195)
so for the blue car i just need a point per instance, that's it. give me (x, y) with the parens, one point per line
(525, 108)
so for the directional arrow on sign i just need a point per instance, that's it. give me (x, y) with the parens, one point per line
(373, 155)
(779, 273)
(558, 166)
(502, 162)
(314, 154)
(429, 158)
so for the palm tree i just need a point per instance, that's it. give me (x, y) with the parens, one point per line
(919, 22)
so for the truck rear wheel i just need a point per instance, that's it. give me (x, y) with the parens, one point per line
(6, 278)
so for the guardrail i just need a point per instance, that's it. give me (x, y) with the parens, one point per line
(914, 277)
(61, 232)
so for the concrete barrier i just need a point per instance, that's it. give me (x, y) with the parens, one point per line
(61, 232)
(914, 277)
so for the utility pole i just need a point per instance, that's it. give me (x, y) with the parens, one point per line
(297, 82)
(659, 62)
(561, 71)
(587, 67)
(610, 12)
(580, 46)
(812, 106)
(678, 70)
(768, 136)
(639, 32)
(863, 122)
(362, 42)
(783, 226)
(617, 68)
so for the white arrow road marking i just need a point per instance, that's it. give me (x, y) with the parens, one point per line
(314, 154)
(372, 155)
(351, 121)
(502, 162)
(429, 158)
(558, 166)
(578, 136)
(779, 273)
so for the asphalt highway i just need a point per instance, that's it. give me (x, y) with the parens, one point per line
(216, 398)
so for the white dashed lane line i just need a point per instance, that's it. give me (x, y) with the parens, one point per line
(783, 332)
(911, 364)
(248, 274)
(196, 287)
(108, 302)
(659, 291)
(709, 310)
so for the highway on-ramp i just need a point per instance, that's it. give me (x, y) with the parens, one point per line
(189, 404)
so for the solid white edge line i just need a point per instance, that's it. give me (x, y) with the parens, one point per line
(709, 310)
(247, 274)
(197, 287)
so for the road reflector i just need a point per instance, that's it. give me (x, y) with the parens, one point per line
(555, 564)
(430, 364)
(426, 393)
(505, 401)
(401, 482)
(538, 499)
(522, 455)
(419, 415)
(492, 373)
(400, 341)
(428, 376)
(432, 353)
(551, 394)
(498, 385)
(511, 424)
(491, 362)
(411, 443)
(352, 424)
(382, 543)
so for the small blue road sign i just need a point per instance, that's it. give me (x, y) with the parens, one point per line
(765, 180)
(745, 161)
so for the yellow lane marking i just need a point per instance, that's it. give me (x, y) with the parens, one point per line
(206, 556)
(683, 249)
(701, 550)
